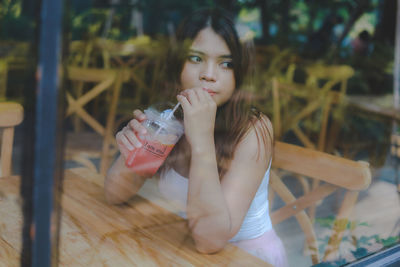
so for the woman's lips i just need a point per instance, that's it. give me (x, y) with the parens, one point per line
(211, 92)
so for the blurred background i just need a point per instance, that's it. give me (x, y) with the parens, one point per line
(325, 76)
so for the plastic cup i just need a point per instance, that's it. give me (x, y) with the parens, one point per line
(163, 132)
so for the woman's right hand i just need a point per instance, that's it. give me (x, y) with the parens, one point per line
(127, 139)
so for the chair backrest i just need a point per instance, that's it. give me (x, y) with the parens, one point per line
(307, 108)
(98, 81)
(89, 54)
(335, 173)
(11, 114)
(332, 74)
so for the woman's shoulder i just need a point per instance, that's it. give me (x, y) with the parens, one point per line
(259, 137)
(261, 124)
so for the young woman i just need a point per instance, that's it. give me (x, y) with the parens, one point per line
(220, 167)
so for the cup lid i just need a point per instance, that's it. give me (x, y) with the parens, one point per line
(171, 124)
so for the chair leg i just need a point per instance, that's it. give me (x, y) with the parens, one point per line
(108, 137)
(340, 224)
(77, 122)
(6, 151)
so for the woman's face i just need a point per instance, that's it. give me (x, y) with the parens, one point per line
(209, 66)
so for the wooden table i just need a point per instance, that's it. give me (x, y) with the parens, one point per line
(381, 105)
(94, 233)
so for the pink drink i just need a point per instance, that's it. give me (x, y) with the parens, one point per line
(147, 160)
(163, 132)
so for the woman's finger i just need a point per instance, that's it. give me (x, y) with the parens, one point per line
(191, 96)
(202, 94)
(123, 141)
(208, 96)
(139, 115)
(137, 127)
(184, 102)
(132, 138)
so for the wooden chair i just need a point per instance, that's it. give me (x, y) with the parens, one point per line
(335, 173)
(99, 81)
(11, 115)
(301, 107)
(86, 54)
(314, 111)
(325, 78)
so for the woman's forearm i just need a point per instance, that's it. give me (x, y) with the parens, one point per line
(121, 183)
(209, 218)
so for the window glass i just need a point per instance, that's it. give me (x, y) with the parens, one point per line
(320, 82)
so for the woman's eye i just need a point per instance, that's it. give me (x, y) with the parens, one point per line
(194, 59)
(227, 64)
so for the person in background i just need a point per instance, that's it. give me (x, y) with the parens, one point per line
(361, 44)
(220, 168)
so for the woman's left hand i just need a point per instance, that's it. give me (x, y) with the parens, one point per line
(199, 111)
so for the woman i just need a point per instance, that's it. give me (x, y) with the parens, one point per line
(220, 167)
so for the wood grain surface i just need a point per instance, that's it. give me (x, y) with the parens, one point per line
(93, 233)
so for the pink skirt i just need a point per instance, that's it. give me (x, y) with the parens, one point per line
(267, 247)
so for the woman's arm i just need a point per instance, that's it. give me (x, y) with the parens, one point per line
(207, 210)
(121, 183)
(216, 207)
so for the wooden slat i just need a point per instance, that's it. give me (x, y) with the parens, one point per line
(335, 170)
(340, 224)
(302, 218)
(303, 138)
(109, 134)
(85, 116)
(294, 207)
(88, 74)
(95, 91)
(369, 104)
(11, 114)
(276, 108)
(6, 151)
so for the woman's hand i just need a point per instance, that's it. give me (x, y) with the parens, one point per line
(199, 116)
(127, 139)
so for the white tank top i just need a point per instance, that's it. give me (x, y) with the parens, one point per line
(174, 187)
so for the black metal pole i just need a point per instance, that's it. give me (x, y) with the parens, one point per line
(45, 155)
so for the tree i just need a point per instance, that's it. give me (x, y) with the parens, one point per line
(385, 30)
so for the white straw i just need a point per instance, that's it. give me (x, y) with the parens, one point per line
(173, 111)
(169, 116)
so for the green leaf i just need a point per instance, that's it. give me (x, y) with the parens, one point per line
(389, 241)
(326, 221)
(360, 252)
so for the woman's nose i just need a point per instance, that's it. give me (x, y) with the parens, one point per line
(208, 72)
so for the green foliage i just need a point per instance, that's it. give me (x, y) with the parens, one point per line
(373, 72)
(88, 23)
(339, 262)
(360, 253)
(389, 241)
(13, 25)
(326, 221)
(10, 8)
(361, 244)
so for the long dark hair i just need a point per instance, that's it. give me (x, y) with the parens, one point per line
(237, 115)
